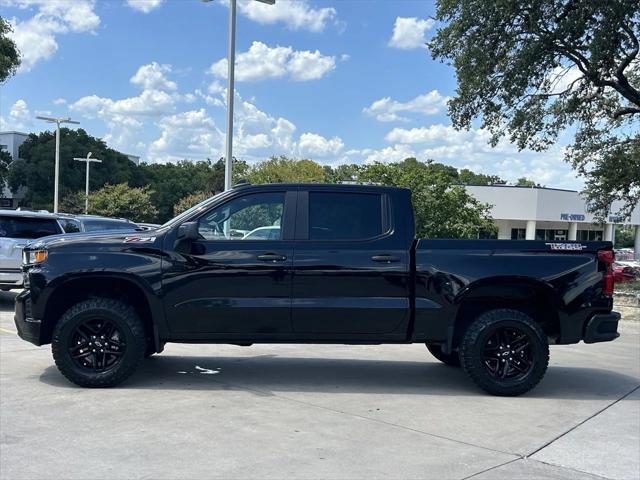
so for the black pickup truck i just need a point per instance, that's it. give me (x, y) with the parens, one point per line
(312, 264)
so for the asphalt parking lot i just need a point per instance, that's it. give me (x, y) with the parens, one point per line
(318, 411)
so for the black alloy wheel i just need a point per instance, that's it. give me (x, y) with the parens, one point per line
(97, 344)
(508, 353)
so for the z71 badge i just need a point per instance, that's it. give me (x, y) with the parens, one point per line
(139, 239)
(566, 246)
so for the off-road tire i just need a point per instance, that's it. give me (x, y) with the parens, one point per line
(472, 348)
(451, 359)
(127, 322)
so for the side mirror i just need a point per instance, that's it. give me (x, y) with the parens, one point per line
(188, 231)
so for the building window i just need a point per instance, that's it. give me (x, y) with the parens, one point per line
(590, 235)
(552, 234)
(518, 233)
(6, 203)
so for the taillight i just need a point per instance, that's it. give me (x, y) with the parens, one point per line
(607, 257)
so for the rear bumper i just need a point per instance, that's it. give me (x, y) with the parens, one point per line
(602, 327)
(29, 328)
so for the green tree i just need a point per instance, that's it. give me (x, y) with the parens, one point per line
(442, 208)
(121, 200)
(9, 54)
(625, 237)
(5, 161)
(531, 69)
(73, 202)
(285, 170)
(35, 169)
(525, 182)
(189, 201)
(467, 177)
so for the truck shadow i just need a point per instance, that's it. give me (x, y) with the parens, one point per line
(267, 375)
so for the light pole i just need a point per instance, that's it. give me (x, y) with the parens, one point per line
(57, 121)
(231, 61)
(88, 160)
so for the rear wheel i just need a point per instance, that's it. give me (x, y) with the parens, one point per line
(452, 359)
(98, 343)
(505, 352)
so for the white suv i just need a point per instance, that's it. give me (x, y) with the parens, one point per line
(17, 228)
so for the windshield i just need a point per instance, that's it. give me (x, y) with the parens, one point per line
(28, 227)
(200, 206)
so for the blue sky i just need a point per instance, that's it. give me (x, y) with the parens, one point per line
(337, 81)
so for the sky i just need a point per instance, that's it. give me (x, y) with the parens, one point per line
(337, 81)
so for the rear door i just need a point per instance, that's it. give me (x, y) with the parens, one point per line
(351, 267)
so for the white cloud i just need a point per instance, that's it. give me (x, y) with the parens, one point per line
(387, 110)
(36, 37)
(144, 6)
(153, 76)
(296, 15)
(315, 145)
(262, 62)
(409, 33)
(59, 101)
(186, 135)
(20, 117)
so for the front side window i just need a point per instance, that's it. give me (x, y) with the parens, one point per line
(250, 217)
(344, 216)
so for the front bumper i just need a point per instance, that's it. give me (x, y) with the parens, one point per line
(29, 328)
(11, 278)
(602, 327)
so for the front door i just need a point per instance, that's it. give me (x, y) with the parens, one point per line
(351, 272)
(236, 279)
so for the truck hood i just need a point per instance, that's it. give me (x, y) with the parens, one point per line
(102, 239)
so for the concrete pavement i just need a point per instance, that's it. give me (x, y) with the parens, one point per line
(319, 411)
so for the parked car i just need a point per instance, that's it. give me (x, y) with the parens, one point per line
(345, 267)
(17, 228)
(263, 233)
(94, 223)
(623, 273)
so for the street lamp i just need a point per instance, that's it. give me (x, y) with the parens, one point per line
(231, 60)
(57, 121)
(88, 160)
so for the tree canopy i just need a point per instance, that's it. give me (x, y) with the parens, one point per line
(9, 54)
(122, 201)
(532, 69)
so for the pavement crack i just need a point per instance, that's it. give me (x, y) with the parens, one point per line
(492, 468)
(558, 437)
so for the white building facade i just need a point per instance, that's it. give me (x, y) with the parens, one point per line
(526, 213)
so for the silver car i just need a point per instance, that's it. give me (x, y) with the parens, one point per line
(17, 228)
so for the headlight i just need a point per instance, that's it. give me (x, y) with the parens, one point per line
(32, 257)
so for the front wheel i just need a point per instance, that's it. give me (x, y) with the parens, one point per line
(98, 342)
(505, 352)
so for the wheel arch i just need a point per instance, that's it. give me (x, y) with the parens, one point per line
(73, 289)
(533, 297)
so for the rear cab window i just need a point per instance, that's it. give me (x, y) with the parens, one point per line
(347, 216)
(28, 227)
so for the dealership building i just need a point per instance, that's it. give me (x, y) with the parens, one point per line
(538, 213)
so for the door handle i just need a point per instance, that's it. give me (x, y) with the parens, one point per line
(272, 257)
(385, 258)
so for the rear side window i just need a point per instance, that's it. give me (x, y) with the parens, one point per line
(25, 227)
(345, 216)
(101, 225)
